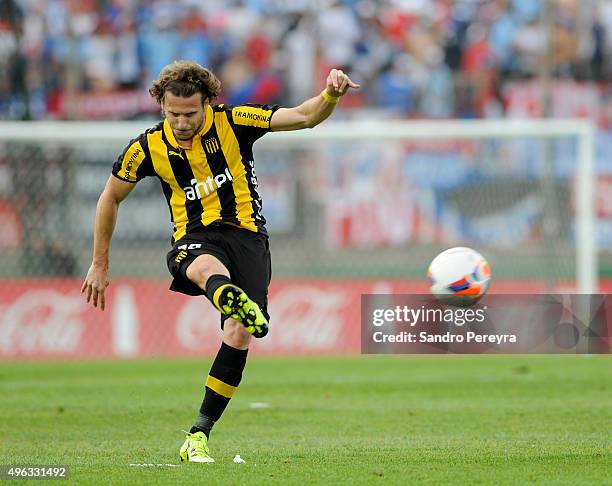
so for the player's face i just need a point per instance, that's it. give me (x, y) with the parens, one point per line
(185, 115)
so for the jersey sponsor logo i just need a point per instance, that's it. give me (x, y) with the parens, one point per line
(251, 116)
(253, 175)
(211, 145)
(210, 185)
(258, 215)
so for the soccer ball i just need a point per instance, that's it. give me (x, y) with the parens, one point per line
(459, 276)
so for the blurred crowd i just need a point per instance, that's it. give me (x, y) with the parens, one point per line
(419, 58)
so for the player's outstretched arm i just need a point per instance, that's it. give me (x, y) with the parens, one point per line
(313, 111)
(97, 280)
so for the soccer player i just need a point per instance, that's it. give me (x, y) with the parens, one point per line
(202, 154)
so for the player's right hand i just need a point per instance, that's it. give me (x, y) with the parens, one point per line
(95, 285)
(338, 83)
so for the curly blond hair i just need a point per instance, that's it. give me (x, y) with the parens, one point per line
(185, 78)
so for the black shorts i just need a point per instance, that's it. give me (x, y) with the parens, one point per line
(244, 253)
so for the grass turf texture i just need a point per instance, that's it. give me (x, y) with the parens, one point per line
(357, 420)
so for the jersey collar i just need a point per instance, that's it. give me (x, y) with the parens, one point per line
(208, 121)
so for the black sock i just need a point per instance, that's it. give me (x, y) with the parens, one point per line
(223, 379)
(212, 284)
(202, 424)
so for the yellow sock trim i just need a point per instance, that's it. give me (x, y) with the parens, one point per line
(216, 296)
(221, 388)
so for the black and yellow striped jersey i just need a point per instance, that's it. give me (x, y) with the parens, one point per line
(215, 180)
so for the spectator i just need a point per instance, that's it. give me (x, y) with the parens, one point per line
(268, 49)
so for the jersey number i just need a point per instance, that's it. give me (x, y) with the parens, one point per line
(192, 246)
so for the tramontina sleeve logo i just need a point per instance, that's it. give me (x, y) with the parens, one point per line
(131, 161)
(251, 116)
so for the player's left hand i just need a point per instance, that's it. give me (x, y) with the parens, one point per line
(338, 83)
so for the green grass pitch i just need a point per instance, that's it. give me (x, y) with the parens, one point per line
(346, 420)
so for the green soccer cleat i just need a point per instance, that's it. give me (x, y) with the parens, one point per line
(235, 303)
(195, 448)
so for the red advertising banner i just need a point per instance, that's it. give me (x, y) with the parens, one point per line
(48, 318)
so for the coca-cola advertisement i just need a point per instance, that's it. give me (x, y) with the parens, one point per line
(50, 319)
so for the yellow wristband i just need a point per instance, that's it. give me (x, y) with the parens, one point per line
(329, 98)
